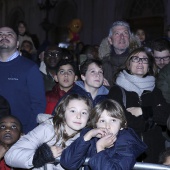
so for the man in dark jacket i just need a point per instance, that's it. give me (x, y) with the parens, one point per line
(119, 40)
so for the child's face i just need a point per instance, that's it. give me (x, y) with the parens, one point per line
(76, 116)
(65, 77)
(26, 46)
(108, 122)
(93, 77)
(9, 131)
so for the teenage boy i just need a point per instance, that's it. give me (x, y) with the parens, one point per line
(65, 78)
(91, 86)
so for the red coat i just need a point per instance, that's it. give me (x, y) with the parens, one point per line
(4, 166)
(52, 98)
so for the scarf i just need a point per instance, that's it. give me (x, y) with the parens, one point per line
(134, 83)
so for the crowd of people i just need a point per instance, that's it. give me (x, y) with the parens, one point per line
(109, 102)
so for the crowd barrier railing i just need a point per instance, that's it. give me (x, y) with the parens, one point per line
(138, 165)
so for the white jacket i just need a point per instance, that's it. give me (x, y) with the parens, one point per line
(21, 154)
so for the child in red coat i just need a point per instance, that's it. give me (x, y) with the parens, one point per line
(65, 78)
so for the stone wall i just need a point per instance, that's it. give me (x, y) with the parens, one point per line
(96, 15)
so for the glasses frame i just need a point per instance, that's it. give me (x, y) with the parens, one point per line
(143, 60)
(166, 58)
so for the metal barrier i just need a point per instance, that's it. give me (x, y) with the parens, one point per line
(150, 166)
(138, 165)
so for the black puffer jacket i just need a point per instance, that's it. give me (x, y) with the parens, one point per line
(149, 125)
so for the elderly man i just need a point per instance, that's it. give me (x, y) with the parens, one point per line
(21, 82)
(119, 40)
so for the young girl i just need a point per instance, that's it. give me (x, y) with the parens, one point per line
(46, 142)
(110, 145)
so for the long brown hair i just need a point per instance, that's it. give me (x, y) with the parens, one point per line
(152, 66)
(59, 117)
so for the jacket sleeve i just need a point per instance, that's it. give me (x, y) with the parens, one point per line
(79, 149)
(119, 161)
(122, 156)
(21, 154)
(160, 108)
(163, 82)
(37, 95)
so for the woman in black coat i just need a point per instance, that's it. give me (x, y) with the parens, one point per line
(146, 109)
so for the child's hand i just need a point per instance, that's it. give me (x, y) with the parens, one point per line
(136, 111)
(98, 132)
(2, 151)
(105, 142)
(56, 150)
(105, 82)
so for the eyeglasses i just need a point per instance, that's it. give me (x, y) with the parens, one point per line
(49, 54)
(64, 72)
(136, 59)
(162, 58)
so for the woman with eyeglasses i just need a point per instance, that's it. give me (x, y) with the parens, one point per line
(146, 109)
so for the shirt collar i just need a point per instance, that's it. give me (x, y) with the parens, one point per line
(13, 56)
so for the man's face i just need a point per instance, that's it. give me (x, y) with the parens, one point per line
(8, 39)
(51, 59)
(120, 39)
(162, 58)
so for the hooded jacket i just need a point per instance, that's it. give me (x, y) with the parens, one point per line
(21, 154)
(122, 156)
(79, 88)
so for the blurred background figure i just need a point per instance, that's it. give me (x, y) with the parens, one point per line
(140, 33)
(52, 56)
(88, 52)
(23, 34)
(27, 51)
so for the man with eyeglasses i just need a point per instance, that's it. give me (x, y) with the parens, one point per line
(52, 56)
(161, 52)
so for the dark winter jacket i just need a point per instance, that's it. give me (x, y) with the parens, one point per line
(122, 156)
(111, 63)
(148, 125)
(163, 82)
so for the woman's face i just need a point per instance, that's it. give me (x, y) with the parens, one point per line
(21, 29)
(139, 64)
